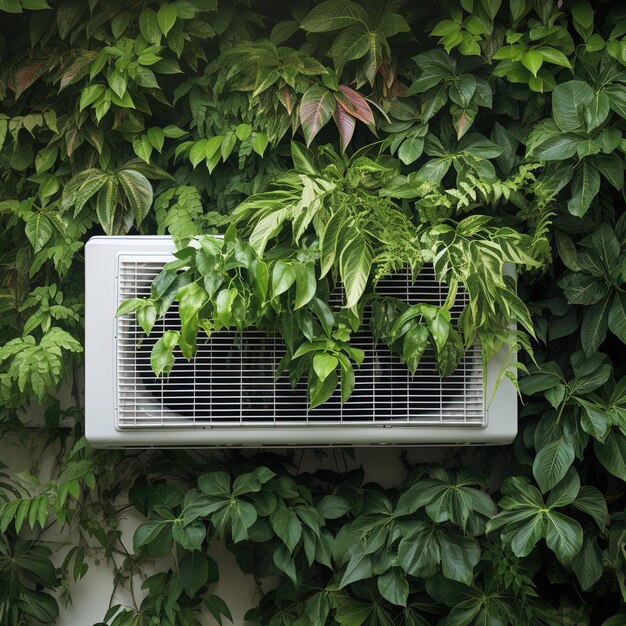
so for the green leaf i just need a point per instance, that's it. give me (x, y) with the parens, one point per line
(218, 608)
(354, 267)
(153, 538)
(333, 507)
(287, 526)
(324, 364)
(259, 143)
(612, 453)
(587, 564)
(138, 192)
(617, 316)
(166, 17)
(38, 229)
(359, 567)
(459, 556)
(552, 462)
(532, 61)
(585, 188)
(193, 571)
(162, 354)
(557, 147)
(594, 326)
(394, 587)
(334, 15)
(568, 103)
(107, 205)
(564, 536)
(582, 13)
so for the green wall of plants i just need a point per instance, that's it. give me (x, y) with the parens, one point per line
(331, 141)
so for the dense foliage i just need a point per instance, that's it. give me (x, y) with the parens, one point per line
(330, 141)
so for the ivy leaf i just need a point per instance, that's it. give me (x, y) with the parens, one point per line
(316, 109)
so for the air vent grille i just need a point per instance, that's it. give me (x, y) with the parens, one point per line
(231, 381)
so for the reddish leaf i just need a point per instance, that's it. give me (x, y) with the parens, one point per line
(77, 68)
(345, 123)
(355, 104)
(285, 95)
(26, 75)
(316, 108)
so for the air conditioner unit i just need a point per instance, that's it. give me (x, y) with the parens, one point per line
(228, 395)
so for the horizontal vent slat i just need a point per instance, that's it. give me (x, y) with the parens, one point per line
(231, 382)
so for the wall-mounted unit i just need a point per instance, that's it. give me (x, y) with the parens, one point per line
(228, 395)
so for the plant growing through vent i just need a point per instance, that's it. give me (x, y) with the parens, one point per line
(336, 220)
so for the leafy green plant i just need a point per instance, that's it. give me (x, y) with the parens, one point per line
(466, 134)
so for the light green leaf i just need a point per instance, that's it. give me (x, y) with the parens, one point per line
(38, 229)
(354, 266)
(166, 17)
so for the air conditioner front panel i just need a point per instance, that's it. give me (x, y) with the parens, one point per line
(228, 394)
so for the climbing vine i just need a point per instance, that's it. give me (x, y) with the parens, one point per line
(331, 143)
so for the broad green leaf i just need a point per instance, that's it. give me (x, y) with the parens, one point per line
(532, 61)
(587, 564)
(568, 103)
(459, 556)
(166, 17)
(38, 229)
(334, 15)
(333, 507)
(612, 453)
(564, 536)
(552, 462)
(193, 571)
(107, 205)
(354, 267)
(617, 316)
(287, 526)
(557, 147)
(585, 187)
(138, 192)
(594, 326)
(592, 502)
(324, 364)
(394, 587)
(153, 538)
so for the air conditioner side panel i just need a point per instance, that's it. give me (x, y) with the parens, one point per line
(101, 266)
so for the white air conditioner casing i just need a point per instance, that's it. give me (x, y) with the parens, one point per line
(228, 395)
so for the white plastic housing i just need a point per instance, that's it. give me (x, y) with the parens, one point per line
(229, 397)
